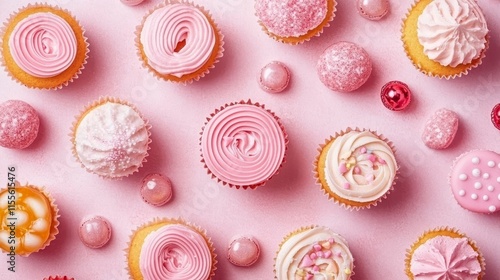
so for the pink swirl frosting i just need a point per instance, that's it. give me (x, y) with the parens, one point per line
(43, 45)
(175, 252)
(445, 258)
(243, 145)
(169, 26)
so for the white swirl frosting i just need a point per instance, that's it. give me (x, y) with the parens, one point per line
(171, 25)
(112, 140)
(43, 45)
(452, 32)
(360, 166)
(317, 253)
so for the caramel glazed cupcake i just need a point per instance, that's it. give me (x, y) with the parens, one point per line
(43, 47)
(314, 253)
(445, 38)
(356, 168)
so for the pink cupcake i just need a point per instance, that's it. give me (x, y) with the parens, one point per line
(243, 144)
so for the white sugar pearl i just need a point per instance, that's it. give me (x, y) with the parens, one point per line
(492, 208)
(491, 163)
(476, 172)
(461, 193)
(473, 196)
(463, 177)
(498, 196)
(475, 160)
(477, 185)
(498, 179)
(485, 197)
(486, 175)
(491, 188)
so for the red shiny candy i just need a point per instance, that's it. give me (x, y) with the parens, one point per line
(396, 96)
(495, 116)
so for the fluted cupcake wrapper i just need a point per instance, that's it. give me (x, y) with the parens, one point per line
(316, 32)
(290, 235)
(441, 231)
(282, 127)
(57, 277)
(103, 100)
(80, 35)
(406, 24)
(217, 52)
(172, 221)
(346, 203)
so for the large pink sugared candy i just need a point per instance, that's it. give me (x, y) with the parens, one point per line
(274, 77)
(156, 189)
(344, 67)
(440, 129)
(95, 232)
(495, 116)
(132, 2)
(395, 95)
(372, 9)
(19, 124)
(243, 251)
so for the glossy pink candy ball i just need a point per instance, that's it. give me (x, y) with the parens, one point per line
(95, 232)
(344, 67)
(156, 189)
(243, 251)
(395, 95)
(19, 124)
(274, 77)
(132, 2)
(372, 9)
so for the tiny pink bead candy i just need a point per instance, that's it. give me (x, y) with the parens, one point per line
(132, 2)
(440, 129)
(274, 77)
(344, 67)
(243, 251)
(372, 9)
(156, 189)
(95, 232)
(19, 124)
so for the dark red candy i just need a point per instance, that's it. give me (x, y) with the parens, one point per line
(495, 116)
(396, 96)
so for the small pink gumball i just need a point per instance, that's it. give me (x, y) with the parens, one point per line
(156, 189)
(274, 77)
(344, 67)
(243, 251)
(19, 124)
(132, 2)
(372, 9)
(95, 232)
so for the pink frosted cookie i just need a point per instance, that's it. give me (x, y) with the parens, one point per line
(475, 181)
(19, 124)
(440, 129)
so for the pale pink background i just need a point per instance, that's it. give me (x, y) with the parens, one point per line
(378, 237)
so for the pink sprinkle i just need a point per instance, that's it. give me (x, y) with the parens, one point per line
(381, 160)
(313, 256)
(328, 254)
(347, 186)
(338, 254)
(319, 254)
(317, 247)
(372, 158)
(306, 262)
(342, 168)
(315, 268)
(363, 150)
(370, 177)
(331, 240)
(309, 276)
(357, 170)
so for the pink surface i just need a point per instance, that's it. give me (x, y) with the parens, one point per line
(378, 237)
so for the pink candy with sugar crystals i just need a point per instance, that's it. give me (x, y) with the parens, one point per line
(440, 129)
(19, 124)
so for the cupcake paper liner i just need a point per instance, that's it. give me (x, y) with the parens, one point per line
(346, 203)
(13, 16)
(288, 236)
(102, 100)
(282, 127)
(54, 230)
(316, 32)
(173, 221)
(442, 231)
(217, 52)
(57, 277)
(475, 62)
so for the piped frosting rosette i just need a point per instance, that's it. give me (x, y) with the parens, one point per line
(36, 219)
(43, 47)
(170, 249)
(444, 253)
(243, 144)
(356, 168)
(314, 252)
(179, 41)
(111, 138)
